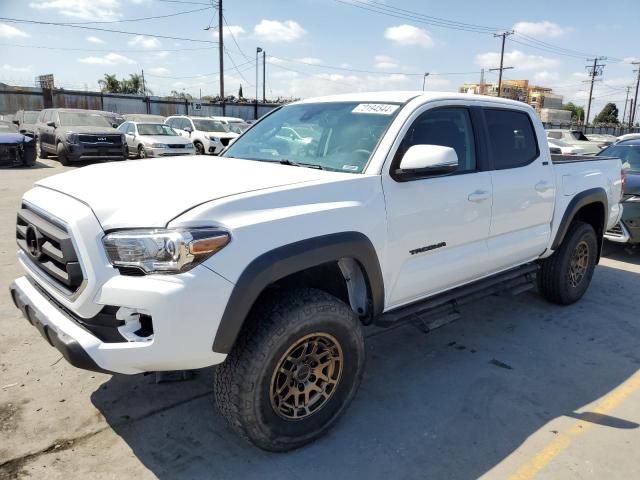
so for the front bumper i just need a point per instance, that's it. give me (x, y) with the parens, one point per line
(169, 152)
(627, 230)
(77, 152)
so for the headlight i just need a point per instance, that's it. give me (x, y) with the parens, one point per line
(159, 145)
(189, 145)
(72, 138)
(164, 250)
(215, 139)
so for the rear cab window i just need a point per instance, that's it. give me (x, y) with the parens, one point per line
(512, 138)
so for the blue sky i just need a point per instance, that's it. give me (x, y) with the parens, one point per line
(318, 47)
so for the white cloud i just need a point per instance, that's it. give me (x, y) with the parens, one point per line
(11, 68)
(83, 9)
(163, 54)
(235, 30)
(108, 59)
(144, 42)
(384, 62)
(541, 29)
(345, 65)
(158, 71)
(516, 59)
(631, 59)
(409, 35)
(8, 31)
(546, 76)
(276, 31)
(95, 40)
(310, 60)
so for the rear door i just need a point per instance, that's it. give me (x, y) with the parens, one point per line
(523, 188)
(438, 226)
(47, 135)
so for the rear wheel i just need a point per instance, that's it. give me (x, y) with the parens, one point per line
(293, 371)
(565, 276)
(41, 152)
(63, 158)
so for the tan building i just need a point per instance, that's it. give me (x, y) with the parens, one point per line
(536, 96)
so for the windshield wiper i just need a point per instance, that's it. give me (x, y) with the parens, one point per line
(286, 161)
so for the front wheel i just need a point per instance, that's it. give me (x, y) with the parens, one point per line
(199, 148)
(565, 276)
(40, 150)
(63, 158)
(293, 371)
(142, 153)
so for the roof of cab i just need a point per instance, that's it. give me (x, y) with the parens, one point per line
(405, 96)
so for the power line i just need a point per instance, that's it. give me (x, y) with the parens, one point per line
(184, 1)
(140, 19)
(594, 71)
(107, 50)
(83, 27)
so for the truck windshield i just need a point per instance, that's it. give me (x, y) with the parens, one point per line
(30, 117)
(155, 129)
(208, 125)
(80, 119)
(338, 136)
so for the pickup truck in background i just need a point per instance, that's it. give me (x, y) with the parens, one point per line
(271, 260)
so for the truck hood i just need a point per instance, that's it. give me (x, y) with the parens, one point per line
(150, 193)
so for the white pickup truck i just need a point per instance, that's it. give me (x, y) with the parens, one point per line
(272, 259)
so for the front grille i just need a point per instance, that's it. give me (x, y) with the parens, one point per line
(49, 246)
(225, 141)
(101, 139)
(616, 230)
(176, 145)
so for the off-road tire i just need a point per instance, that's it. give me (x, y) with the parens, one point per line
(62, 154)
(243, 383)
(554, 278)
(39, 149)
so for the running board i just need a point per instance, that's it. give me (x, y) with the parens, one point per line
(442, 309)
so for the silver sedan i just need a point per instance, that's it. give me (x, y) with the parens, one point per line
(146, 139)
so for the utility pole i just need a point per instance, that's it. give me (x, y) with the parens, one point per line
(258, 50)
(626, 101)
(594, 71)
(144, 92)
(264, 77)
(504, 36)
(424, 79)
(221, 53)
(635, 101)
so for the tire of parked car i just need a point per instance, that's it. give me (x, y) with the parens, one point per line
(199, 148)
(565, 276)
(293, 371)
(29, 155)
(62, 154)
(41, 152)
(142, 153)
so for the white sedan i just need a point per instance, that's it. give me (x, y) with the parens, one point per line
(146, 139)
(564, 147)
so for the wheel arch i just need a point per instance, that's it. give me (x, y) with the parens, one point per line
(350, 253)
(590, 206)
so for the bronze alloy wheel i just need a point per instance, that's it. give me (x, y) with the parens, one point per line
(306, 376)
(579, 263)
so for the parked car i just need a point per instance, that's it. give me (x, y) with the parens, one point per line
(602, 139)
(26, 122)
(575, 138)
(208, 135)
(114, 119)
(154, 140)
(628, 229)
(271, 264)
(628, 136)
(564, 147)
(74, 135)
(234, 124)
(144, 117)
(16, 149)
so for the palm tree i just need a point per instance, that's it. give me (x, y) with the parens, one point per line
(110, 84)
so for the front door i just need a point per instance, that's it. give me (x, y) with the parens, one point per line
(438, 226)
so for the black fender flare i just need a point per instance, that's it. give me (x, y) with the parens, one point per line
(593, 195)
(291, 258)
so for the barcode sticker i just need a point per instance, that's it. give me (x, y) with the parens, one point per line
(377, 108)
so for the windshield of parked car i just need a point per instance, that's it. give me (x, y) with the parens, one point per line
(81, 119)
(629, 154)
(155, 129)
(30, 117)
(6, 127)
(338, 136)
(205, 125)
(238, 127)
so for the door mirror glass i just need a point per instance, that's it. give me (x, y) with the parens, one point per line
(188, 129)
(427, 160)
(15, 122)
(51, 124)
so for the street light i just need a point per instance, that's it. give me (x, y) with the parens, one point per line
(258, 50)
(424, 79)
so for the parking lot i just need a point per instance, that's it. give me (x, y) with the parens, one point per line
(517, 388)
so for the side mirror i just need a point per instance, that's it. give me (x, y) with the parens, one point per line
(114, 125)
(188, 130)
(425, 161)
(51, 124)
(15, 122)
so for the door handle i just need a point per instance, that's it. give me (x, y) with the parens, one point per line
(543, 186)
(479, 196)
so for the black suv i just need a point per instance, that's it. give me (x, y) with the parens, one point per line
(26, 122)
(74, 134)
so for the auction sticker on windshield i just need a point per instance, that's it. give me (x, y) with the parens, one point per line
(377, 108)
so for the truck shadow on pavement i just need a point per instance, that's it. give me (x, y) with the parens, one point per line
(450, 404)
